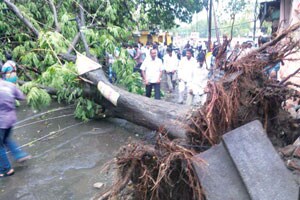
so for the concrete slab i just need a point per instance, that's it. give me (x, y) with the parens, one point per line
(259, 165)
(218, 175)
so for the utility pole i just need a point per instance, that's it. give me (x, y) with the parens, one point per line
(209, 25)
(216, 25)
(255, 18)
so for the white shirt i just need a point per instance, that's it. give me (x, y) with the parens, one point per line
(152, 69)
(170, 63)
(186, 68)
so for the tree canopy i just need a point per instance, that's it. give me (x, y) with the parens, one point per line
(37, 34)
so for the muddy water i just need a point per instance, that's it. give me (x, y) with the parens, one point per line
(68, 155)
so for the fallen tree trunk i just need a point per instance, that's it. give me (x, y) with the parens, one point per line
(153, 114)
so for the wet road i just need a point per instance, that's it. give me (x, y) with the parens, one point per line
(68, 155)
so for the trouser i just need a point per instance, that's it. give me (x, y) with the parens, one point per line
(6, 141)
(156, 90)
(137, 68)
(171, 81)
(181, 91)
(112, 76)
(196, 99)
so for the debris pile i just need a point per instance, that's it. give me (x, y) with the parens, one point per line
(291, 156)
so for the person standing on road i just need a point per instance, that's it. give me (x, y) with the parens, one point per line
(138, 59)
(9, 93)
(186, 68)
(198, 84)
(170, 66)
(151, 73)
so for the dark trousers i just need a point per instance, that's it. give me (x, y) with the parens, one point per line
(156, 90)
(137, 68)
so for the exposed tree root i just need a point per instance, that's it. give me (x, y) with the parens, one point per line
(163, 171)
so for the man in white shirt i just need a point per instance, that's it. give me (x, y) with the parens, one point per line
(186, 68)
(151, 73)
(170, 66)
(198, 84)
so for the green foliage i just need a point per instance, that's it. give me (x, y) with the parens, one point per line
(235, 6)
(123, 67)
(64, 79)
(37, 98)
(30, 59)
(2, 56)
(86, 109)
(68, 28)
(52, 40)
(27, 87)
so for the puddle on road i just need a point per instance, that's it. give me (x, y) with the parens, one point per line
(68, 154)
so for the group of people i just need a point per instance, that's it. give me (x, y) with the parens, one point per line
(189, 69)
(9, 93)
(186, 71)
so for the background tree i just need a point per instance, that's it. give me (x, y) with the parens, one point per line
(233, 8)
(162, 14)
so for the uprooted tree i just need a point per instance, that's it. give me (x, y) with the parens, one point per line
(163, 170)
(97, 25)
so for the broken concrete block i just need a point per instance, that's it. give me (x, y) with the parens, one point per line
(245, 166)
(218, 176)
(259, 165)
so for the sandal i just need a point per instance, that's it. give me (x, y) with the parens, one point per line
(9, 173)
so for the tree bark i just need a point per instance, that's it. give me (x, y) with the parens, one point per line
(86, 46)
(140, 110)
(147, 112)
(73, 44)
(57, 27)
(15, 9)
